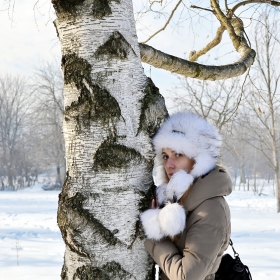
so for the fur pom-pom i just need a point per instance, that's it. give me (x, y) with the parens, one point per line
(172, 219)
(151, 224)
(179, 184)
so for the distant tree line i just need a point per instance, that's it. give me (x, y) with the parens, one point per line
(31, 139)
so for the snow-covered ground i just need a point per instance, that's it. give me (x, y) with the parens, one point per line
(31, 246)
(256, 232)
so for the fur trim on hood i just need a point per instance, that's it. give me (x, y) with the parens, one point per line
(190, 134)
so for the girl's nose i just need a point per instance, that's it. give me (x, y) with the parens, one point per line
(170, 163)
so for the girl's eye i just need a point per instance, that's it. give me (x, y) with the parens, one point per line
(178, 155)
(164, 157)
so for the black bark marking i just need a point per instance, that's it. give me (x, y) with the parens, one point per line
(76, 69)
(111, 270)
(94, 102)
(111, 155)
(68, 221)
(152, 104)
(151, 275)
(57, 34)
(72, 216)
(115, 47)
(66, 6)
(101, 8)
(87, 272)
(144, 204)
(97, 105)
(69, 8)
(63, 274)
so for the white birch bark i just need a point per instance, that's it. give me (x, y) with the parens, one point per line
(111, 111)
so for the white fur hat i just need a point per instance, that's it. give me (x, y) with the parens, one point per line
(190, 134)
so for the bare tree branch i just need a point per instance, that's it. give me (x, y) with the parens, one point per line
(216, 41)
(234, 27)
(205, 9)
(192, 69)
(273, 3)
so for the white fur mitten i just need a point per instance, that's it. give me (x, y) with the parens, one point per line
(150, 222)
(172, 219)
(178, 184)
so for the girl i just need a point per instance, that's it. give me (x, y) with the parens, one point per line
(188, 226)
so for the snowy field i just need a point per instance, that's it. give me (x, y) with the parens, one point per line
(31, 246)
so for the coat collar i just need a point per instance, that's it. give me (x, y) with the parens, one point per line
(216, 183)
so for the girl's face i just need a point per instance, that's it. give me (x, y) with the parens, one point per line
(174, 162)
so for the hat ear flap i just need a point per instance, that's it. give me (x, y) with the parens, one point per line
(203, 164)
(160, 175)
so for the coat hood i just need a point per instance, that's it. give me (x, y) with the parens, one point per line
(216, 183)
(192, 135)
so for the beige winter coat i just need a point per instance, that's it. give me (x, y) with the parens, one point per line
(197, 253)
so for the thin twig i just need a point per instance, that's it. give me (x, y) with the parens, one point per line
(241, 94)
(274, 37)
(249, 42)
(153, 2)
(170, 17)
(205, 9)
(273, 3)
(226, 4)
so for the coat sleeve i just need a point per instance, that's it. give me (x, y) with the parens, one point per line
(203, 243)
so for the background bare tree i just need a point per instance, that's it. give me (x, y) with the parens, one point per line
(264, 97)
(48, 88)
(31, 138)
(217, 101)
(249, 149)
(16, 151)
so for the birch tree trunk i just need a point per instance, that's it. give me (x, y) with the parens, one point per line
(111, 111)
